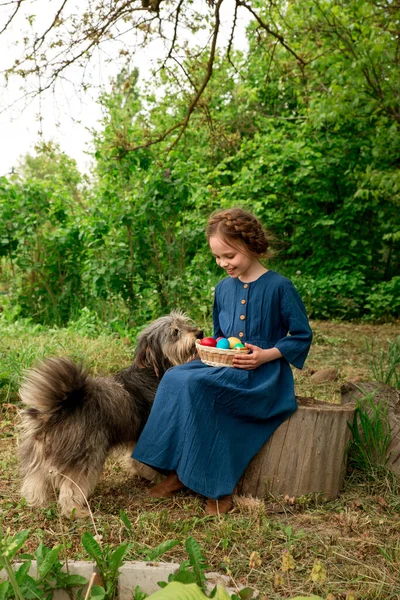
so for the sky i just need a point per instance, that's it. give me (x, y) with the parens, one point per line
(67, 116)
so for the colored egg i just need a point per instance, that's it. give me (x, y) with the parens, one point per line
(220, 338)
(233, 340)
(208, 341)
(223, 343)
(239, 345)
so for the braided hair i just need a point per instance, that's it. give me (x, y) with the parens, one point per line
(239, 229)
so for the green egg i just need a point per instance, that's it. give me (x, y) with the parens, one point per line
(239, 345)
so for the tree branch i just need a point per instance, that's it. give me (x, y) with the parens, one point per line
(178, 10)
(39, 41)
(12, 16)
(207, 76)
(275, 34)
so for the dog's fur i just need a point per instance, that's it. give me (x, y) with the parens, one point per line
(72, 420)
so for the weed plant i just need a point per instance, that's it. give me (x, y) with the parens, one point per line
(385, 363)
(50, 576)
(371, 436)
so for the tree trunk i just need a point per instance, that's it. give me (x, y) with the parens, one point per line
(305, 455)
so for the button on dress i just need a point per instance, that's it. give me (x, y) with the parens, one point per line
(206, 422)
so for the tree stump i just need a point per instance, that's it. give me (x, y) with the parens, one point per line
(305, 455)
(390, 398)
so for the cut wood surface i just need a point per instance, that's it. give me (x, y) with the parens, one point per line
(390, 397)
(305, 455)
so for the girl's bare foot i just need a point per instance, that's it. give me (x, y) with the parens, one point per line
(166, 488)
(220, 506)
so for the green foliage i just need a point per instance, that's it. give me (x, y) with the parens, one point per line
(385, 364)
(50, 577)
(383, 300)
(339, 295)
(371, 436)
(54, 168)
(159, 550)
(186, 591)
(190, 581)
(13, 365)
(308, 139)
(197, 561)
(41, 244)
(108, 562)
(192, 570)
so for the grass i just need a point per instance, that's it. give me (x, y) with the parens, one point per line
(355, 536)
(385, 363)
(371, 436)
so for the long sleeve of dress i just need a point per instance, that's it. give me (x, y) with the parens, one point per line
(295, 346)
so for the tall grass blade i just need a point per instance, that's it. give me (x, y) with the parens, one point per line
(385, 364)
(371, 436)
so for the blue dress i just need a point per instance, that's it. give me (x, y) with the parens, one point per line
(207, 423)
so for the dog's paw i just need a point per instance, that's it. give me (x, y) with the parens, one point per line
(76, 512)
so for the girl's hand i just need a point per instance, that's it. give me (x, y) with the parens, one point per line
(258, 357)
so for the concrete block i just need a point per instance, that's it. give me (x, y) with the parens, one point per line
(145, 575)
(16, 566)
(76, 567)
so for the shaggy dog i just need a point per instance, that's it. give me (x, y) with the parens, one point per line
(73, 421)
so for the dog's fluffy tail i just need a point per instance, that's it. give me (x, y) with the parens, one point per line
(57, 384)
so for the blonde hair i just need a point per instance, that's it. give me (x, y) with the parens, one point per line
(240, 229)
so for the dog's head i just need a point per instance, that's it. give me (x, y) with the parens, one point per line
(167, 342)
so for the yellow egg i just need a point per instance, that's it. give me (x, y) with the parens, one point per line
(232, 341)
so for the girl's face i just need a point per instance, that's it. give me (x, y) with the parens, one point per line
(228, 257)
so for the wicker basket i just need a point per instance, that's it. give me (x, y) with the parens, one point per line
(217, 357)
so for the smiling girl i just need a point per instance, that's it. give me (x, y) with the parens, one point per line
(207, 423)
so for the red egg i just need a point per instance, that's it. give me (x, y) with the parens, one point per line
(208, 341)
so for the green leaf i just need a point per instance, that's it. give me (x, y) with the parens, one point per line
(161, 549)
(197, 560)
(246, 593)
(97, 593)
(40, 553)
(116, 558)
(30, 589)
(16, 543)
(185, 577)
(3, 589)
(23, 571)
(74, 580)
(180, 591)
(92, 548)
(124, 518)
(49, 560)
(138, 594)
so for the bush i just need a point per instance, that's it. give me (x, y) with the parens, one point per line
(383, 301)
(337, 296)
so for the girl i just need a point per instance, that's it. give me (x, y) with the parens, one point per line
(207, 423)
